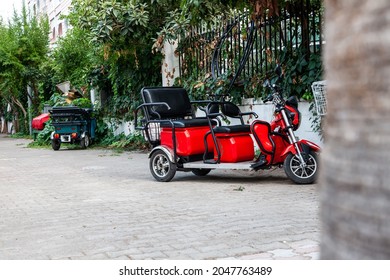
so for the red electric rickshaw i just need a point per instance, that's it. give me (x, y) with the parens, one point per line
(183, 142)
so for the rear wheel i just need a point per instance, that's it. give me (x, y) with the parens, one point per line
(201, 171)
(85, 142)
(302, 174)
(162, 169)
(55, 144)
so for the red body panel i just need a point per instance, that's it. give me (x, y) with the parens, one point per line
(312, 145)
(235, 147)
(189, 141)
(38, 123)
(291, 148)
(261, 130)
(280, 146)
(279, 122)
(296, 120)
(271, 145)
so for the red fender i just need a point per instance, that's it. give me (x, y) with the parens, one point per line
(291, 147)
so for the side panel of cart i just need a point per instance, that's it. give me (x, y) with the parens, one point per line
(72, 125)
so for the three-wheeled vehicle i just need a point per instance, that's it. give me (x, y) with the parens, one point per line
(183, 142)
(72, 125)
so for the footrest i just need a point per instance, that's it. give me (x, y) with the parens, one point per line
(210, 161)
(260, 163)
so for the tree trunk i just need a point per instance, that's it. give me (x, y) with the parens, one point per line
(16, 124)
(355, 185)
(3, 125)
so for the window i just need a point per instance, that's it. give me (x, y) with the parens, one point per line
(60, 29)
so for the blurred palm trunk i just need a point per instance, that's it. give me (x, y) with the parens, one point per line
(355, 185)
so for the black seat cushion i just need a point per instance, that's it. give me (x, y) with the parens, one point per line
(233, 129)
(231, 110)
(184, 123)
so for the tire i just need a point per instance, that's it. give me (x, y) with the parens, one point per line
(299, 175)
(201, 171)
(85, 142)
(162, 169)
(55, 144)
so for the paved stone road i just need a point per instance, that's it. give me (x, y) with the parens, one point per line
(98, 204)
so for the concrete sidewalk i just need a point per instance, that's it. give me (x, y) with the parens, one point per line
(99, 204)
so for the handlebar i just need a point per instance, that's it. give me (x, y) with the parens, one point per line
(275, 96)
(269, 98)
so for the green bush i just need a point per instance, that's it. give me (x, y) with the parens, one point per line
(82, 103)
(134, 141)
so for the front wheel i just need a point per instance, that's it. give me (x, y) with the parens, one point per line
(302, 174)
(162, 169)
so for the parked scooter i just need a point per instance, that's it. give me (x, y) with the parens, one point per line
(279, 144)
(183, 142)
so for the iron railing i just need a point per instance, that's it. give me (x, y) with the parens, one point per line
(253, 46)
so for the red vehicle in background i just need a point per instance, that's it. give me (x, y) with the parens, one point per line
(38, 123)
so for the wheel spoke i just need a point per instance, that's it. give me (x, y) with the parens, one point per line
(303, 172)
(162, 169)
(295, 169)
(161, 165)
(311, 168)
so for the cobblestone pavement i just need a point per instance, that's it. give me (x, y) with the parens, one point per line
(99, 204)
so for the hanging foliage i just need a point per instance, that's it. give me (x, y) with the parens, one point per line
(262, 7)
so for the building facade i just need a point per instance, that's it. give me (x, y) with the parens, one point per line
(53, 9)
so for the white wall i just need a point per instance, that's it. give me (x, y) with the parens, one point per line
(170, 65)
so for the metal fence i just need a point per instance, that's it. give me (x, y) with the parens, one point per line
(254, 47)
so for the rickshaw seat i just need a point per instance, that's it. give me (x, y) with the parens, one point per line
(233, 129)
(180, 112)
(230, 110)
(262, 133)
(176, 97)
(186, 123)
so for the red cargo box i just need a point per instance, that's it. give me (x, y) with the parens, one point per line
(189, 140)
(235, 147)
(38, 123)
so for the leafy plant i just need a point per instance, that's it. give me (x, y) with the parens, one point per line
(134, 141)
(82, 103)
(120, 33)
(316, 121)
(43, 137)
(57, 100)
(74, 57)
(300, 72)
